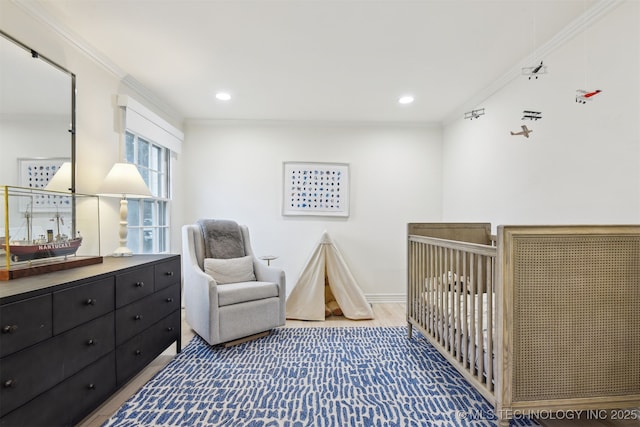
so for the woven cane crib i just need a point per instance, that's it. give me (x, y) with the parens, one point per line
(537, 318)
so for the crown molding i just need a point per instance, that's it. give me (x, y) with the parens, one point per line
(575, 27)
(36, 10)
(312, 123)
(151, 98)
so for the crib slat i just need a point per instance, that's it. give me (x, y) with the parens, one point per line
(472, 315)
(465, 312)
(440, 296)
(446, 326)
(479, 337)
(430, 301)
(457, 314)
(490, 270)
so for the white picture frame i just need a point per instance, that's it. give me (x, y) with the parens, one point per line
(315, 188)
(36, 173)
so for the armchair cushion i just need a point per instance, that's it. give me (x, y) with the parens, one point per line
(236, 293)
(230, 270)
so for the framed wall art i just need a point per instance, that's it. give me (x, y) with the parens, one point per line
(36, 173)
(311, 188)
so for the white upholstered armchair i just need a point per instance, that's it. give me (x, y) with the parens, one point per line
(228, 293)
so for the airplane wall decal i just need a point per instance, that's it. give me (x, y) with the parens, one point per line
(582, 96)
(531, 115)
(534, 71)
(525, 131)
(474, 114)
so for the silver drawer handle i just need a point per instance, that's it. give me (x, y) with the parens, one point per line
(9, 383)
(169, 273)
(139, 284)
(90, 301)
(138, 317)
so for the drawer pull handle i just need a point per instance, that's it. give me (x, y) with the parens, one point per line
(138, 317)
(91, 301)
(91, 386)
(9, 329)
(91, 341)
(138, 352)
(139, 284)
(169, 273)
(9, 383)
(169, 299)
(170, 329)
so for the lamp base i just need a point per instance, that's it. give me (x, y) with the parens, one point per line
(122, 251)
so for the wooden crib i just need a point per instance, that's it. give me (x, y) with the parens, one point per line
(538, 318)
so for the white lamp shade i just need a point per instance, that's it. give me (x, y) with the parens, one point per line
(61, 180)
(124, 180)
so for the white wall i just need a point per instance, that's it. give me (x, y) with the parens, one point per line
(235, 172)
(582, 162)
(39, 137)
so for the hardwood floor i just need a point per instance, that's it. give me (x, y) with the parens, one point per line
(385, 315)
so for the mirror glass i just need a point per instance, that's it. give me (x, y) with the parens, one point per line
(36, 116)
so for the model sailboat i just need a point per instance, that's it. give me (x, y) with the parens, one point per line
(43, 247)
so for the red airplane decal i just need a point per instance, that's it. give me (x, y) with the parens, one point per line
(582, 96)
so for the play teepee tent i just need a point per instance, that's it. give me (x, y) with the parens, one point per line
(326, 267)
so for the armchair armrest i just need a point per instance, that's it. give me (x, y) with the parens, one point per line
(200, 292)
(266, 273)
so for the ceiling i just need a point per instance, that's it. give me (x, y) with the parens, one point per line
(328, 60)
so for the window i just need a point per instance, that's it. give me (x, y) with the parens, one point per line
(150, 142)
(149, 218)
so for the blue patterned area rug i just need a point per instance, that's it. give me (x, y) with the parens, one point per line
(310, 377)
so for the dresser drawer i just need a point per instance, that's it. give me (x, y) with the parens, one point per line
(143, 348)
(82, 303)
(27, 373)
(24, 323)
(166, 301)
(134, 318)
(87, 343)
(134, 285)
(57, 407)
(167, 273)
(167, 331)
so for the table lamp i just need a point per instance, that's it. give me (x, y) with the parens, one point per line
(124, 180)
(61, 180)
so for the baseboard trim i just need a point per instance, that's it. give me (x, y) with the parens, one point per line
(386, 298)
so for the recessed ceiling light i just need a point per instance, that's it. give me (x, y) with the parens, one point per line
(223, 96)
(407, 99)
